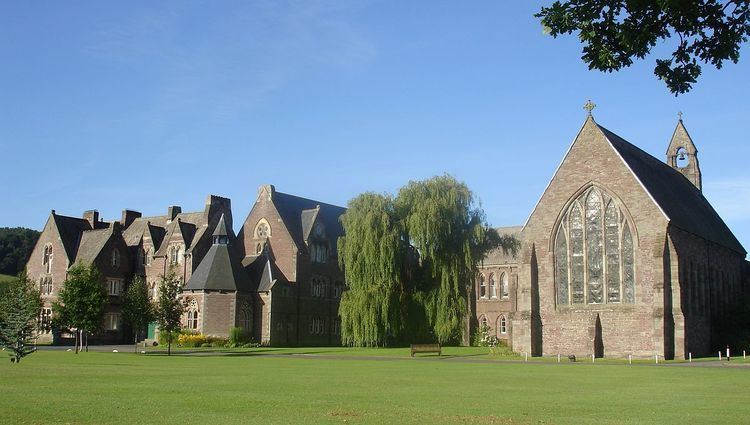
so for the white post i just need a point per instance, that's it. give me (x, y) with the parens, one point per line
(743, 354)
(525, 356)
(558, 357)
(728, 352)
(656, 358)
(719, 355)
(592, 358)
(690, 357)
(630, 359)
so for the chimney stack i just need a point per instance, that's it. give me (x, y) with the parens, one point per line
(128, 217)
(172, 212)
(92, 216)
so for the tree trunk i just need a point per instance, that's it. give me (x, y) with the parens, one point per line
(169, 344)
(136, 342)
(77, 332)
(86, 337)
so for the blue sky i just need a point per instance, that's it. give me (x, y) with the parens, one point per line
(143, 105)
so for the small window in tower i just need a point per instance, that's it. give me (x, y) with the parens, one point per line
(683, 159)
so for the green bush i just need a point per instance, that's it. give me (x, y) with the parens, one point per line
(238, 335)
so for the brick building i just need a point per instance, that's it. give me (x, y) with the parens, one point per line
(622, 255)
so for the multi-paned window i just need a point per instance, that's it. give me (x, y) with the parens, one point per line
(112, 321)
(594, 252)
(504, 291)
(482, 287)
(317, 287)
(502, 325)
(174, 254)
(114, 286)
(318, 253)
(246, 317)
(45, 320)
(192, 315)
(317, 326)
(45, 285)
(493, 286)
(47, 259)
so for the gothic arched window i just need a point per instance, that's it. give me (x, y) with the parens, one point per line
(493, 286)
(47, 259)
(192, 315)
(246, 317)
(504, 291)
(502, 325)
(482, 287)
(115, 258)
(594, 252)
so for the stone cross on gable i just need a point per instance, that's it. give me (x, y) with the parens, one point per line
(589, 106)
(679, 115)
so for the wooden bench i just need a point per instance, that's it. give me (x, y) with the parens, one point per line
(425, 348)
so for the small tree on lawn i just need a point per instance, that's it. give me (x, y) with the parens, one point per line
(20, 304)
(136, 308)
(81, 302)
(169, 307)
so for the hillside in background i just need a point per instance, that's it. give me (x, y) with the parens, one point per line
(16, 244)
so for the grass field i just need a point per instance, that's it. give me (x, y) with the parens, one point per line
(6, 278)
(250, 387)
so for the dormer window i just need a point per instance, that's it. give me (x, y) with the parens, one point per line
(116, 259)
(174, 254)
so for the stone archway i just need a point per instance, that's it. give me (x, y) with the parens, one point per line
(598, 341)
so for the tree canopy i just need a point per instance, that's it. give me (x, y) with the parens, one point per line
(16, 244)
(614, 33)
(81, 301)
(20, 304)
(169, 307)
(136, 307)
(408, 262)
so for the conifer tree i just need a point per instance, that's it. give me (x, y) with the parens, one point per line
(20, 304)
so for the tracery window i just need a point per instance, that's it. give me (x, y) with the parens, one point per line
(502, 325)
(594, 252)
(493, 286)
(246, 317)
(504, 292)
(482, 287)
(192, 315)
(483, 322)
(46, 285)
(318, 253)
(262, 229)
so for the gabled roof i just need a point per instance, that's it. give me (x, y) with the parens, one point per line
(308, 219)
(264, 273)
(92, 243)
(70, 230)
(682, 203)
(291, 210)
(220, 270)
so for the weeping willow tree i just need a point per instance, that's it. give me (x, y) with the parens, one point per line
(448, 231)
(371, 255)
(420, 249)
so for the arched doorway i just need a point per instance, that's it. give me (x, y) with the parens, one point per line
(598, 342)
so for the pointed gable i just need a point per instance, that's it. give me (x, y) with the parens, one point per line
(296, 212)
(70, 230)
(683, 204)
(221, 268)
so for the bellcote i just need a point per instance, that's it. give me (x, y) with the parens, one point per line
(682, 155)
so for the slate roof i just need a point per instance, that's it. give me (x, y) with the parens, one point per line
(498, 256)
(92, 243)
(70, 230)
(291, 210)
(264, 272)
(682, 203)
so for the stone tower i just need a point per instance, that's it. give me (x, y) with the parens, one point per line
(682, 155)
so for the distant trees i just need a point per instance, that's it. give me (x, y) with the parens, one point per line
(409, 262)
(20, 305)
(81, 302)
(615, 32)
(136, 308)
(16, 244)
(169, 307)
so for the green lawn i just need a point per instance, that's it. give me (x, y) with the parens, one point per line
(248, 387)
(6, 278)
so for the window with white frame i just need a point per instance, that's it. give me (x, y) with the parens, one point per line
(502, 325)
(192, 315)
(45, 320)
(114, 286)
(482, 287)
(112, 321)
